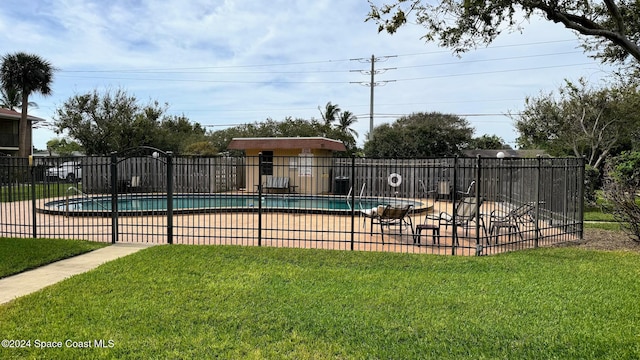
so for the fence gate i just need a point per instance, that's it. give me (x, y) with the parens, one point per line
(141, 191)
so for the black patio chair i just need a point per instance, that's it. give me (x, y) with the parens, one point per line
(466, 213)
(469, 191)
(390, 215)
(513, 220)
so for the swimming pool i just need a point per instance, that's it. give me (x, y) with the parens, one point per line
(141, 204)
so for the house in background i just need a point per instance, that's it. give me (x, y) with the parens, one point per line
(9, 122)
(303, 161)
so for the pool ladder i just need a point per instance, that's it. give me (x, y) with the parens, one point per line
(77, 191)
(348, 198)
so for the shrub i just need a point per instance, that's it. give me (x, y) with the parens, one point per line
(592, 182)
(620, 189)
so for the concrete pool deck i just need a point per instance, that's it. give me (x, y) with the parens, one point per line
(275, 229)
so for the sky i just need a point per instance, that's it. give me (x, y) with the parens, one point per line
(223, 63)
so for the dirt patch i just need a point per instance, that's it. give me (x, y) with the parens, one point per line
(599, 239)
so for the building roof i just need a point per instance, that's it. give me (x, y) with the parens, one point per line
(271, 143)
(14, 115)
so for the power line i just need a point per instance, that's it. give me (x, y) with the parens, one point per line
(209, 72)
(329, 61)
(493, 72)
(372, 83)
(223, 125)
(214, 67)
(493, 47)
(209, 81)
(382, 116)
(461, 115)
(488, 60)
(200, 69)
(244, 110)
(379, 83)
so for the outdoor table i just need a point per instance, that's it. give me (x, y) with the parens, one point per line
(435, 232)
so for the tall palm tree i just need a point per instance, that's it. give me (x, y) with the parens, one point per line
(330, 113)
(345, 121)
(30, 74)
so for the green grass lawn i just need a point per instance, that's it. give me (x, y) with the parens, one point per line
(23, 191)
(17, 255)
(595, 217)
(604, 225)
(246, 302)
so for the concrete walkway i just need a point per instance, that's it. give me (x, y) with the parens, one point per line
(33, 280)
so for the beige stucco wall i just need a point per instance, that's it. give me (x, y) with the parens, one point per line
(287, 163)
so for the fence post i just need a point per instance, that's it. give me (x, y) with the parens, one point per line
(453, 201)
(478, 215)
(353, 199)
(114, 198)
(33, 198)
(169, 197)
(260, 198)
(537, 207)
(581, 163)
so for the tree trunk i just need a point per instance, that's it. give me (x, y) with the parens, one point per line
(24, 131)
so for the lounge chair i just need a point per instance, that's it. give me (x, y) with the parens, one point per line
(136, 183)
(469, 191)
(466, 213)
(513, 220)
(390, 215)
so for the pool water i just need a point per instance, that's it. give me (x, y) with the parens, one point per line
(216, 202)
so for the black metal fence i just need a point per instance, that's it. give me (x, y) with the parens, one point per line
(299, 201)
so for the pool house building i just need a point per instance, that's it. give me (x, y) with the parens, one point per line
(289, 164)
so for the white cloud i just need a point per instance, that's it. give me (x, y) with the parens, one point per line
(232, 61)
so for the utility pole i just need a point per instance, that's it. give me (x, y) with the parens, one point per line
(372, 83)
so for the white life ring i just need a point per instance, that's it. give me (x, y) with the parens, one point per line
(394, 180)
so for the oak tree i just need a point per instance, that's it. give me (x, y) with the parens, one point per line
(609, 27)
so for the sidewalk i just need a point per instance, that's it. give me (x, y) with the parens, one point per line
(33, 280)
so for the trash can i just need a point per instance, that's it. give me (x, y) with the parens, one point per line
(341, 185)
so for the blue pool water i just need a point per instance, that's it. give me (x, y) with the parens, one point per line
(185, 203)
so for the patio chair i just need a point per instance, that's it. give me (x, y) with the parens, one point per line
(513, 220)
(390, 215)
(469, 191)
(466, 213)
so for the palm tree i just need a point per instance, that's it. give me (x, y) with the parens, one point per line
(345, 121)
(11, 99)
(329, 114)
(29, 73)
